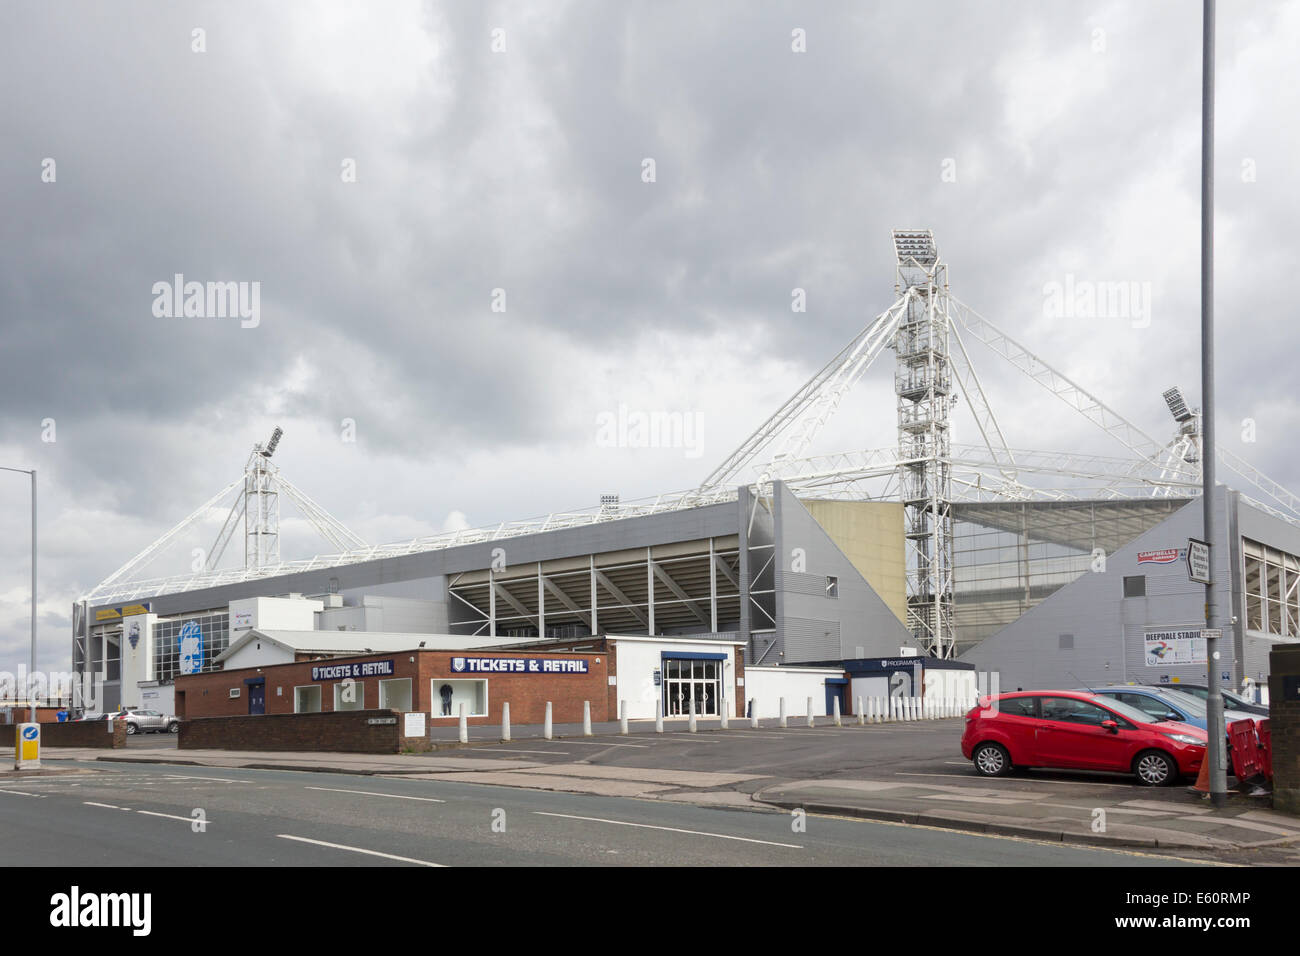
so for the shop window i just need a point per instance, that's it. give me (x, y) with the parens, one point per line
(447, 695)
(306, 700)
(349, 695)
(395, 694)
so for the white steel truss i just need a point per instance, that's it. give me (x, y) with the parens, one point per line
(991, 471)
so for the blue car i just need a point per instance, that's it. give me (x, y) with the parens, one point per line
(1163, 704)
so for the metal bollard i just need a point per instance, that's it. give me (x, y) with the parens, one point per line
(782, 713)
(464, 726)
(546, 722)
(690, 722)
(659, 716)
(622, 717)
(586, 718)
(836, 714)
(505, 722)
(811, 722)
(753, 713)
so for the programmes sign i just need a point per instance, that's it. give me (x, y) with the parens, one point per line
(1169, 647)
(517, 665)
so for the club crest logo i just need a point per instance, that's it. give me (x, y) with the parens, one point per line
(134, 634)
(458, 664)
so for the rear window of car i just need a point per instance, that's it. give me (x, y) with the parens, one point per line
(1017, 706)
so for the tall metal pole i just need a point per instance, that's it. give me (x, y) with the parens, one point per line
(32, 670)
(1215, 727)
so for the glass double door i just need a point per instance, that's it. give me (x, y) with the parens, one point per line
(687, 680)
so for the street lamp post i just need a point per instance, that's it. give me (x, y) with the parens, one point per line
(32, 669)
(1214, 703)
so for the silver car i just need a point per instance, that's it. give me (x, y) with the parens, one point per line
(150, 722)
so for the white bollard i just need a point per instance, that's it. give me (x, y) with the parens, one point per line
(722, 713)
(586, 718)
(910, 713)
(811, 723)
(690, 721)
(753, 713)
(782, 713)
(622, 717)
(862, 714)
(836, 714)
(659, 716)
(546, 722)
(505, 722)
(464, 726)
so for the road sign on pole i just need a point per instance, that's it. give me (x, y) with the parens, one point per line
(1198, 561)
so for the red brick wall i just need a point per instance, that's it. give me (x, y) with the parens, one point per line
(207, 695)
(83, 733)
(343, 732)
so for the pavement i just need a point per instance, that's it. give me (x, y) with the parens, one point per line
(910, 773)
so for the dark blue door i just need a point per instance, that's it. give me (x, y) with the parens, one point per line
(257, 698)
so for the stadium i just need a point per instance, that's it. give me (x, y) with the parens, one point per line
(1037, 567)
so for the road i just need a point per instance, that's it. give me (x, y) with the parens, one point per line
(147, 815)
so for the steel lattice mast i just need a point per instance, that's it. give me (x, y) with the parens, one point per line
(923, 384)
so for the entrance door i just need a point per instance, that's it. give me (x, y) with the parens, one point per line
(686, 680)
(257, 698)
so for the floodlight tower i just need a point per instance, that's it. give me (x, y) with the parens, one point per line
(262, 506)
(923, 383)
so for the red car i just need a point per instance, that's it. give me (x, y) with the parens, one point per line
(1072, 730)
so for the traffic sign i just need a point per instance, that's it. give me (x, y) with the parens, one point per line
(1198, 561)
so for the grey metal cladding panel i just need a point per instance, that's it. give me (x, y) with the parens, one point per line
(1106, 628)
(811, 640)
(704, 522)
(796, 582)
(1264, 528)
(864, 618)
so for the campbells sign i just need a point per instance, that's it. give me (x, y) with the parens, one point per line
(1167, 556)
(344, 671)
(517, 665)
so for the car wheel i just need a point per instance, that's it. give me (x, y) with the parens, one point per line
(130, 729)
(992, 760)
(1155, 769)
(174, 729)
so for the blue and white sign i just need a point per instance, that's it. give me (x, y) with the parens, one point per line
(31, 733)
(345, 671)
(191, 648)
(518, 665)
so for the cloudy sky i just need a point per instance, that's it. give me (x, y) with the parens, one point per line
(502, 146)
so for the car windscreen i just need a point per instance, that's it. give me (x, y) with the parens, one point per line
(1123, 709)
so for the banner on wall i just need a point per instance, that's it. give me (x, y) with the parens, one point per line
(190, 646)
(1167, 647)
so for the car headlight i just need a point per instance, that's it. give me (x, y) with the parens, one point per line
(1187, 739)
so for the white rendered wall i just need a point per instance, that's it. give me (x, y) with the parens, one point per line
(796, 684)
(636, 661)
(272, 614)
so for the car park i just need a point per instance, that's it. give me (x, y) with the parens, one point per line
(1077, 730)
(1165, 704)
(149, 721)
(1230, 700)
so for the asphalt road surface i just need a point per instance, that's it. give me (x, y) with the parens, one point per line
(146, 814)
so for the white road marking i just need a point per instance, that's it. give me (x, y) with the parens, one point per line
(649, 826)
(372, 793)
(171, 816)
(357, 849)
(20, 793)
(106, 806)
(594, 743)
(502, 750)
(186, 776)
